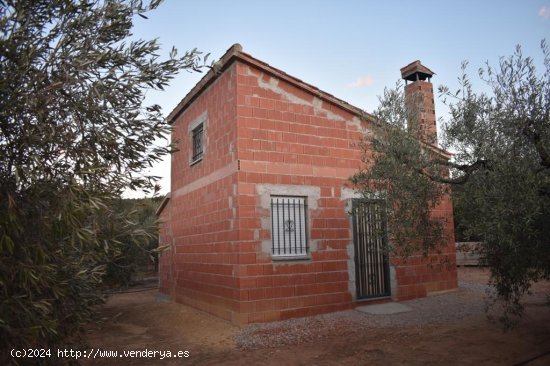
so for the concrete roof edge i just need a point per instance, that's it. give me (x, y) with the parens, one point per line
(235, 52)
(210, 76)
(438, 150)
(163, 204)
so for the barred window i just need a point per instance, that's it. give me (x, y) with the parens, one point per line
(288, 226)
(198, 134)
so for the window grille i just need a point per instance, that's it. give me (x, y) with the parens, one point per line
(289, 226)
(198, 137)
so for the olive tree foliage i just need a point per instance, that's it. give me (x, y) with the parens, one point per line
(397, 170)
(500, 171)
(74, 133)
(135, 256)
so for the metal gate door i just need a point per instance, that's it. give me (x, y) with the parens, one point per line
(370, 239)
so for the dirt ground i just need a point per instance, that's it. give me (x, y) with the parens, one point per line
(139, 321)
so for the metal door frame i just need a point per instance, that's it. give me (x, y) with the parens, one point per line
(371, 257)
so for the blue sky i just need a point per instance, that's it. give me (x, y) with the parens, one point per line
(351, 49)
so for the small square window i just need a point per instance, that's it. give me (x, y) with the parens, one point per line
(198, 143)
(289, 227)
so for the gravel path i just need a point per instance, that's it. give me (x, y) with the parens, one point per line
(465, 302)
(474, 286)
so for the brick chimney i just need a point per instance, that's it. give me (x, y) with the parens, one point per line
(419, 94)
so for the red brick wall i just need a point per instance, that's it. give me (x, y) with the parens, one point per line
(265, 134)
(418, 276)
(425, 121)
(287, 136)
(200, 217)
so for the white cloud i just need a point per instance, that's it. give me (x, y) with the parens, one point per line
(362, 82)
(544, 12)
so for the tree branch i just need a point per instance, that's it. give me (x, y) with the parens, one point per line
(535, 138)
(467, 169)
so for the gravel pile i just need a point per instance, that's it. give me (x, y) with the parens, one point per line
(454, 306)
(294, 331)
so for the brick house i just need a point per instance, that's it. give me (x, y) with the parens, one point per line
(257, 223)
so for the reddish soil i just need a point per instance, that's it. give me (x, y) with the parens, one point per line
(137, 321)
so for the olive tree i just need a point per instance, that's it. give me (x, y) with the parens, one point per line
(74, 133)
(500, 171)
(134, 256)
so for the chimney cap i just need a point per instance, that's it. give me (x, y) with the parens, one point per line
(416, 71)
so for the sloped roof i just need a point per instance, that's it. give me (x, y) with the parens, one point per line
(163, 203)
(235, 52)
(416, 67)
